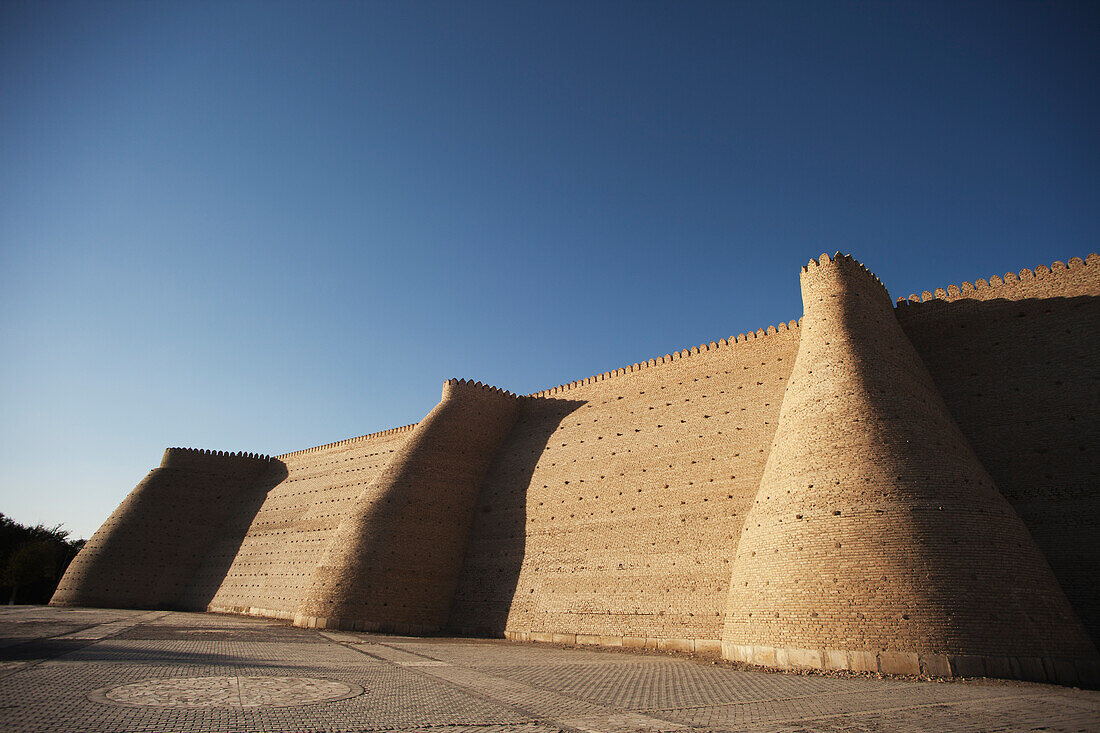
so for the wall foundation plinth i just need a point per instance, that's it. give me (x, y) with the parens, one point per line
(1058, 670)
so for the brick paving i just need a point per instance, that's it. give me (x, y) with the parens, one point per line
(97, 671)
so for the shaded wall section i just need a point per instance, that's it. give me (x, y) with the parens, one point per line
(1017, 360)
(147, 551)
(490, 571)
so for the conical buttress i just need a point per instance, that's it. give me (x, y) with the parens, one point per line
(877, 541)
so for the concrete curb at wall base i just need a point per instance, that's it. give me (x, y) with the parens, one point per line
(696, 646)
(1032, 669)
(252, 611)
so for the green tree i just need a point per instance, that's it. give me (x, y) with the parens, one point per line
(33, 562)
(33, 559)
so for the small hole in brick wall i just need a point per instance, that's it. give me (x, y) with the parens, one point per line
(836, 513)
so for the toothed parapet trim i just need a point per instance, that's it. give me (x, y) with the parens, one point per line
(349, 441)
(199, 456)
(226, 454)
(1059, 277)
(849, 265)
(468, 384)
(781, 328)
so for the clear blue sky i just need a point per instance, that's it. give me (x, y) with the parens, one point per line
(265, 226)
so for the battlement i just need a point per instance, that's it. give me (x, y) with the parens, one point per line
(349, 441)
(1077, 277)
(468, 386)
(840, 259)
(675, 356)
(197, 456)
(837, 276)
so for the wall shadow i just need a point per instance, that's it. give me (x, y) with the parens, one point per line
(1022, 380)
(239, 512)
(494, 553)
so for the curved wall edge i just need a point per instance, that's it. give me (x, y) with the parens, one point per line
(393, 562)
(146, 552)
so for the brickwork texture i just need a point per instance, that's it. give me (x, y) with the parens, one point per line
(899, 488)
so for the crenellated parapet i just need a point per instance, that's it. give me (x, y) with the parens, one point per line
(348, 442)
(1076, 277)
(200, 459)
(675, 356)
(469, 386)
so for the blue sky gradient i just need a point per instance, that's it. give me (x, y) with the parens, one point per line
(265, 226)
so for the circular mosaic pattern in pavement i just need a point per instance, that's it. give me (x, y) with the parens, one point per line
(226, 692)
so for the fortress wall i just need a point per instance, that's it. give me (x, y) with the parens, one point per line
(146, 552)
(613, 508)
(877, 540)
(1015, 359)
(710, 494)
(263, 563)
(392, 563)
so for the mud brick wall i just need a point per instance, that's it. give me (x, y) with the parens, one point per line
(615, 504)
(263, 563)
(741, 490)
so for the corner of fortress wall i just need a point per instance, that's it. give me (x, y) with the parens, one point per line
(649, 505)
(877, 540)
(146, 552)
(392, 563)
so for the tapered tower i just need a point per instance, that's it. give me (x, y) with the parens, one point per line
(878, 541)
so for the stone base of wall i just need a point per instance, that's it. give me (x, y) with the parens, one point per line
(1057, 670)
(314, 622)
(1061, 671)
(252, 611)
(696, 646)
(347, 624)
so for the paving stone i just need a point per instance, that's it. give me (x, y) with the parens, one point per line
(169, 672)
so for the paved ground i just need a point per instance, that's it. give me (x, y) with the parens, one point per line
(105, 670)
